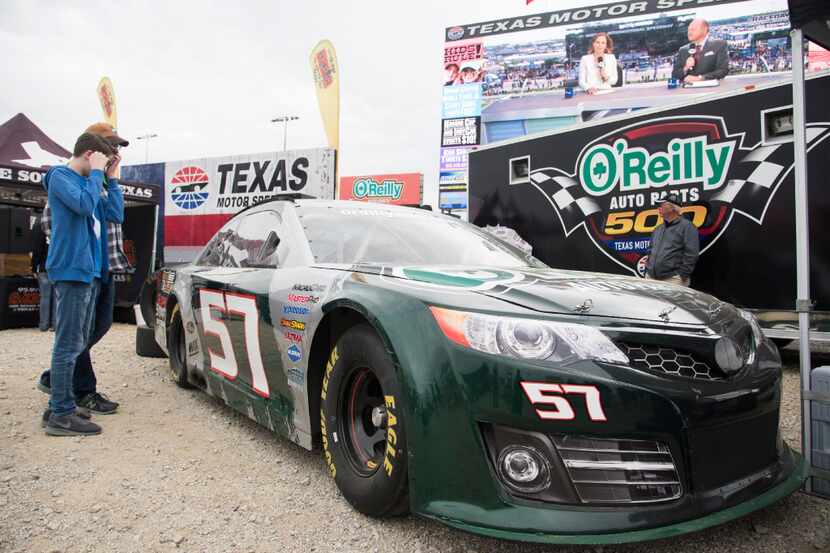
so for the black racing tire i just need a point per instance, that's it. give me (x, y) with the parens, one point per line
(146, 345)
(366, 455)
(177, 348)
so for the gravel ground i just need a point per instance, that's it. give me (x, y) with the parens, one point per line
(177, 470)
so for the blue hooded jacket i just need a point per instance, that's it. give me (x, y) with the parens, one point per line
(76, 252)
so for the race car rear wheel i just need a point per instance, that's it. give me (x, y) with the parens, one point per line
(361, 420)
(177, 348)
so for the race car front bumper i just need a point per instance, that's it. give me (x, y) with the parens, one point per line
(721, 436)
(529, 524)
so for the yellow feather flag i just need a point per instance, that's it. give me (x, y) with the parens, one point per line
(327, 82)
(106, 95)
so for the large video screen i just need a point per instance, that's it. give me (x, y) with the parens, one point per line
(507, 78)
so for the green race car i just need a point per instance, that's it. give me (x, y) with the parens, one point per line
(448, 373)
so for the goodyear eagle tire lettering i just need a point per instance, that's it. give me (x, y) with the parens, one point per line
(362, 425)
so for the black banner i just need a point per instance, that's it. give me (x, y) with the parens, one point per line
(461, 131)
(140, 192)
(590, 199)
(138, 246)
(133, 191)
(19, 302)
(587, 14)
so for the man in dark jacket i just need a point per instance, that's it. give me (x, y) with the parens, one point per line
(40, 250)
(704, 58)
(675, 245)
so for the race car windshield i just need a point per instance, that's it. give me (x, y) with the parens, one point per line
(403, 236)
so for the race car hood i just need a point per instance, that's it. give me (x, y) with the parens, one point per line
(570, 292)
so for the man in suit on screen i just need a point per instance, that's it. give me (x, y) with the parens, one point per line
(704, 58)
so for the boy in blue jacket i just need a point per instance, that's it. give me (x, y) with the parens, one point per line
(81, 207)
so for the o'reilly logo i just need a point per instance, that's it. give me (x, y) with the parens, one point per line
(372, 189)
(604, 168)
(617, 181)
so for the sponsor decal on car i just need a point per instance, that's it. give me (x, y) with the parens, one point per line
(551, 404)
(166, 281)
(293, 324)
(292, 336)
(193, 347)
(303, 298)
(295, 310)
(294, 352)
(309, 287)
(619, 178)
(296, 376)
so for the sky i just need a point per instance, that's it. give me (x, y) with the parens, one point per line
(207, 77)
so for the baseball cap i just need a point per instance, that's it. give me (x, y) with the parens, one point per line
(470, 66)
(671, 198)
(105, 130)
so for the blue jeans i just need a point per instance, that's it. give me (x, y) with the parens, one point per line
(47, 319)
(84, 381)
(74, 314)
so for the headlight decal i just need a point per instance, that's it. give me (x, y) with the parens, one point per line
(527, 338)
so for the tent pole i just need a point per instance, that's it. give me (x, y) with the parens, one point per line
(802, 234)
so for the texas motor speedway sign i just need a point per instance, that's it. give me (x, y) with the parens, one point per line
(200, 195)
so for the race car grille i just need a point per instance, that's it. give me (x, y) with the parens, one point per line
(670, 361)
(619, 471)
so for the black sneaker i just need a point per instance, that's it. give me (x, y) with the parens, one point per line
(98, 404)
(80, 411)
(44, 387)
(71, 425)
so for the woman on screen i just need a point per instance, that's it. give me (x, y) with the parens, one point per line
(598, 68)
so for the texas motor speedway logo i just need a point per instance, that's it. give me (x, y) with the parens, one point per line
(619, 178)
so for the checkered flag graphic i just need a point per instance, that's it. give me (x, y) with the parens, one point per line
(756, 177)
(566, 194)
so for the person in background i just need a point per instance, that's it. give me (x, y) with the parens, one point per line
(704, 58)
(675, 245)
(470, 73)
(40, 251)
(85, 383)
(76, 264)
(450, 74)
(598, 68)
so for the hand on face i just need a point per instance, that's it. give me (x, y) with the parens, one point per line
(98, 161)
(112, 170)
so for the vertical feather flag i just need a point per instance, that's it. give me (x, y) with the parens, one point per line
(106, 95)
(327, 82)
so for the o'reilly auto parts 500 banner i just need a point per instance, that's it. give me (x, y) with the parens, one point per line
(590, 199)
(202, 194)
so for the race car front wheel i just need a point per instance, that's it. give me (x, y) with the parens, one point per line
(364, 442)
(177, 348)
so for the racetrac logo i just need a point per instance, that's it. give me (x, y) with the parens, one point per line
(619, 178)
(190, 187)
(373, 190)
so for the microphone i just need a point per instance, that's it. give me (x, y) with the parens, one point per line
(600, 62)
(692, 52)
